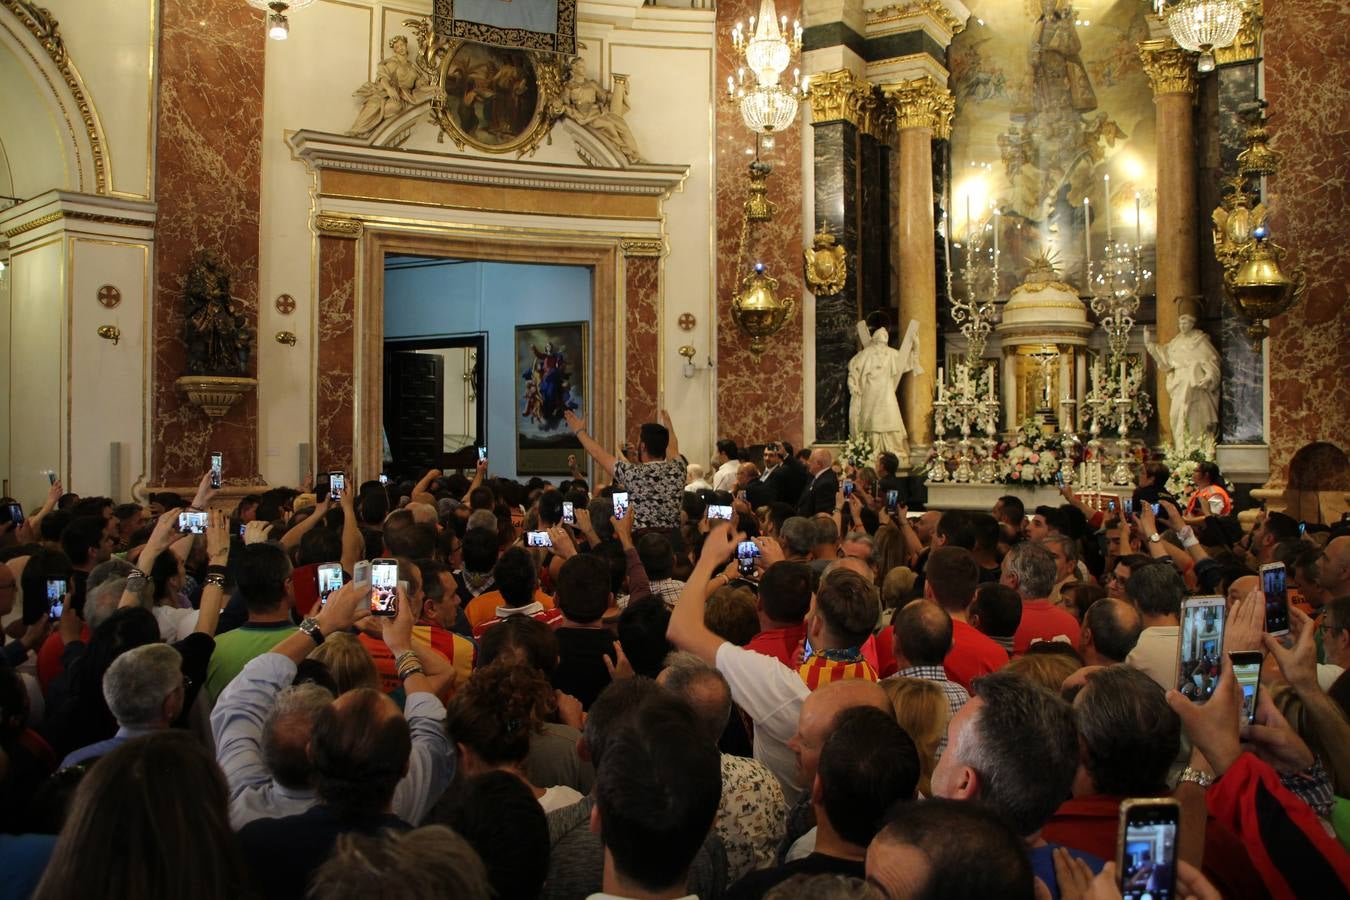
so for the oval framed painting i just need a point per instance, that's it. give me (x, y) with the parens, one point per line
(494, 98)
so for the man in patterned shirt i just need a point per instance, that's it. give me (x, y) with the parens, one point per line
(655, 483)
(839, 622)
(923, 635)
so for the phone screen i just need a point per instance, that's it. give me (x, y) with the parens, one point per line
(16, 513)
(51, 479)
(538, 539)
(216, 464)
(1059, 478)
(719, 512)
(848, 488)
(330, 579)
(569, 513)
(384, 585)
(361, 572)
(56, 597)
(746, 554)
(482, 453)
(892, 500)
(620, 504)
(1148, 847)
(337, 483)
(1129, 507)
(1247, 671)
(384, 479)
(1202, 623)
(1273, 585)
(192, 522)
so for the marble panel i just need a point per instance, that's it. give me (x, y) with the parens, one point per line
(643, 341)
(758, 397)
(836, 204)
(336, 394)
(1307, 83)
(875, 229)
(208, 187)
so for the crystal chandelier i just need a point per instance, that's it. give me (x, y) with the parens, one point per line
(1203, 25)
(766, 106)
(278, 26)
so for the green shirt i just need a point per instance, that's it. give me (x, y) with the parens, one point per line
(235, 648)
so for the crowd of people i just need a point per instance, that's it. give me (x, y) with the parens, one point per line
(776, 681)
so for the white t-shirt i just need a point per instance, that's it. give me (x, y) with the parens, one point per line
(175, 624)
(558, 797)
(771, 694)
(725, 477)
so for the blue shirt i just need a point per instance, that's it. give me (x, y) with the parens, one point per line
(103, 748)
(1043, 864)
(23, 859)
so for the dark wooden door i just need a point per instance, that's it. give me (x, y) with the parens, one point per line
(414, 409)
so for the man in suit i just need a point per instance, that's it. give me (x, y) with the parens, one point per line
(795, 476)
(820, 494)
(768, 487)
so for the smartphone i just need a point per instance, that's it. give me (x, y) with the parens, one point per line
(746, 554)
(538, 539)
(1059, 478)
(361, 572)
(337, 483)
(569, 516)
(1247, 671)
(216, 463)
(1146, 848)
(330, 579)
(1157, 509)
(1273, 585)
(1110, 506)
(1129, 506)
(384, 587)
(51, 479)
(620, 504)
(848, 488)
(242, 527)
(892, 501)
(1302, 528)
(807, 650)
(384, 479)
(192, 522)
(14, 511)
(482, 454)
(1202, 623)
(56, 598)
(719, 512)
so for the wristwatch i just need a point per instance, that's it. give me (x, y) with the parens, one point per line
(1155, 538)
(1195, 776)
(310, 626)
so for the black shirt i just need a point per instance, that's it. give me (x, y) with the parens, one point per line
(282, 854)
(581, 662)
(757, 884)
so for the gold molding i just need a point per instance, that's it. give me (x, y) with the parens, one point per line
(79, 215)
(842, 96)
(1247, 45)
(642, 246)
(938, 13)
(1170, 69)
(42, 25)
(922, 103)
(35, 223)
(337, 226)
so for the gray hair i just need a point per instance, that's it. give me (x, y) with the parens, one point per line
(824, 887)
(1069, 544)
(101, 602)
(286, 733)
(701, 686)
(482, 518)
(1034, 567)
(108, 569)
(799, 534)
(137, 683)
(825, 530)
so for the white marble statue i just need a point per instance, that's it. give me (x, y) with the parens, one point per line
(398, 85)
(1191, 365)
(874, 375)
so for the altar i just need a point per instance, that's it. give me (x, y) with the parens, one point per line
(982, 497)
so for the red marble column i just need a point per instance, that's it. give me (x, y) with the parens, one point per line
(208, 187)
(1306, 73)
(759, 398)
(335, 379)
(642, 340)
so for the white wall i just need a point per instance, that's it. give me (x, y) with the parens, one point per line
(491, 298)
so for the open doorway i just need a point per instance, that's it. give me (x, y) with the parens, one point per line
(434, 403)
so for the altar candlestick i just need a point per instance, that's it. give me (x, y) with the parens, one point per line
(1138, 241)
(1087, 242)
(996, 250)
(1123, 395)
(1106, 180)
(940, 382)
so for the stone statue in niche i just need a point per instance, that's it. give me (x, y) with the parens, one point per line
(1191, 366)
(585, 102)
(874, 375)
(398, 85)
(218, 338)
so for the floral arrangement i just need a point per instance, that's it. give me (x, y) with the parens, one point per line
(1106, 384)
(858, 451)
(1033, 455)
(967, 384)
(1182, 458)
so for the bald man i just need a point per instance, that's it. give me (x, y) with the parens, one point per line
(923, 637)
(1334, 574)
(819, 495)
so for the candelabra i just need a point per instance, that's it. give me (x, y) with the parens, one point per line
(974, 314)
(964, 406)
(1115, 283)
(1123, 474)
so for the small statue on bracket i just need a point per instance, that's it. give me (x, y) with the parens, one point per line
(218, 338)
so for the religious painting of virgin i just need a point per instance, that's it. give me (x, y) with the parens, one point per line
(552, 370)
(492, 99)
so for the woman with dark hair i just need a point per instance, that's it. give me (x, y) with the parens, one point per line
(1210, 498)
(149, 821)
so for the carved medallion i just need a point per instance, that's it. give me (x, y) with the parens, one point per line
(826, 266)
(687, 321)
(285, 304)
(109, 296)
(496, 99)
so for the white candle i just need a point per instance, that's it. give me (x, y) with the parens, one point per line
(1087, 244)
(995, 250)
(1138, 240)
(1106, 180)
(992, 395)
(1123, 395)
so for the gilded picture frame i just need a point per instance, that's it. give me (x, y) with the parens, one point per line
(552, 374)
(496, 99)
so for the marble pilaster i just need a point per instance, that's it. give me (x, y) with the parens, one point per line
(334, 428)
(642, 339)
(836, 206)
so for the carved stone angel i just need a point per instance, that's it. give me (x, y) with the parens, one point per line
(398, 85)
(585, 102)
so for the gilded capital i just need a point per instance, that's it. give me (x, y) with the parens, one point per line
(1170, 69)
(1247, 45)
(922, 103)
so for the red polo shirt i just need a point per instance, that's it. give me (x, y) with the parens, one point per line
(973, 654)
(780, 643)
(1042, 620)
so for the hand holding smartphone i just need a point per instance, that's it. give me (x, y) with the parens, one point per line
(217, 463)
(384, 588)
(569, 513)
(330, 579)
(538, 539)
(620, 500)
(746, 554)
(1198, 651)
(337, 484)
(1247, 672)
(1146, 848)
(722, 513)
(1274, 585)
(56, 598)
(192, 521)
